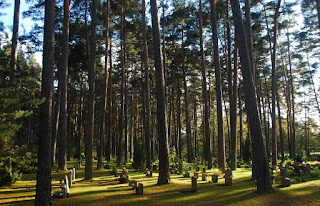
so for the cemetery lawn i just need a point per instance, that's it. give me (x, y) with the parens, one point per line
(104, 189)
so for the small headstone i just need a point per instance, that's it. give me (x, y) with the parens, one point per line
(285, 182)
(139, 190)
(194, 186)
(124, 171)
(228, 177)
(198, 168)
(74, 174)
(66, 187)
(215, 178)
(300, 172)
(247, 166)
(70, 179)
(196, 174)
(204, 176)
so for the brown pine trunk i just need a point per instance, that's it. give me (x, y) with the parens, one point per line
(110, 123)
(147, 88)
(62, 155)
(80, 120)
(221, 138)
(161, 100)
(205, 95)
(55, 126)
(43, 188)
(261, 164)
(233, 111)
(14, 49)
(91, 75)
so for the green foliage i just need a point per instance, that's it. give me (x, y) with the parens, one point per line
(139, 156)
(247, 151)
(300, 156)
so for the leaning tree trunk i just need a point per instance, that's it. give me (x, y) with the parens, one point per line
(14, 49)
(205, 94)
(62, 155)
(91, 75)
(161, 100)
(43, 188)
(146, 67)
(262, 167)
(221, 138)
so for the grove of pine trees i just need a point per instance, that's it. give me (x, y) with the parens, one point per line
(202, 81)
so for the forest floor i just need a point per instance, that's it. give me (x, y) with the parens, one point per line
(105, 189)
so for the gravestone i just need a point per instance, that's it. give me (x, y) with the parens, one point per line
(147, 172)
(215, 178)
(194, 186)
(285, 182)
(70, 179)
(125, 171)
(204, 176)
(228, 177)
(198, 168)
(74, 174)
(65, 188)
(139, 190)
(196, 174)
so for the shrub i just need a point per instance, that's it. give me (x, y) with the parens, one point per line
(139, 156)
(300, 156)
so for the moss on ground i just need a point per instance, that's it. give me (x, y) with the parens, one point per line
(104, 189)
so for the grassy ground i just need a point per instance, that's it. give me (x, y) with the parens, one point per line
(106, 190)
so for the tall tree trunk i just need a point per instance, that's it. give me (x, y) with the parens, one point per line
(111, 124)
(43, 188)
(62, 156)
(274, 86)
(91, 75)
(147, 88)
(179, 139)
(240, 125)
(55, 125)
(189, 143)
(233, 111)
(80, 120)
(221, 138)
(123, 74)
(104, 94)
(14, 49)
(261, 163)
(195, 127)
(248, 29)
(161, 99)
(205, 94)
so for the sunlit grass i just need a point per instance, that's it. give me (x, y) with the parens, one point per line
(104, 189)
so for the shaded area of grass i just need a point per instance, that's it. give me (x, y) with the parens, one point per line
(104, 189)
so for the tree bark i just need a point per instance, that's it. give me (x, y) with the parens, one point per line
(147, 88)
(62, 156)
(221, 137)
(161, 100)
(261, 164)
(43, 188)
(14, 46)
(91, 75)
(208, 151)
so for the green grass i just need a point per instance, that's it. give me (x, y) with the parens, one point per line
(105, 190)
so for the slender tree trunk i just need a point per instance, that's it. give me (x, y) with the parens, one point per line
(104, 94)
(195, 127)
(147, 88)
(248, 29)
(62, 156)
(55, 125)
(111, 123)
(80, 120)
(91, 75)
(189, 143)
(205, 95)
(123, 74)
(43, 188)
(161, 99)
(14, 49)
(179, 123)
(240, 125)
(221, 138)
(233, 111)
(274, 86)
(261, 165)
